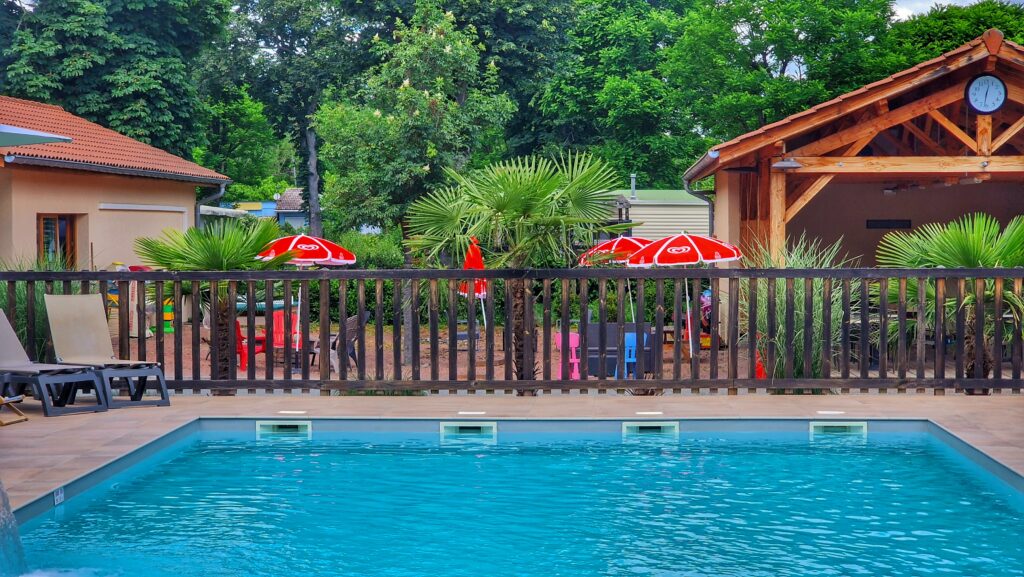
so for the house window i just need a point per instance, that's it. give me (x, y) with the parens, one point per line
(56, 238)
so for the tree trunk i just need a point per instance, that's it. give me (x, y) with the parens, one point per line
(971, 353)
(224, 319)
(316, 227)
(519, 332)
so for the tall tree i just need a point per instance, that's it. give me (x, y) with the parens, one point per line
(11, 13)
(527, 40)
(240, 143)
(944, 28)
(428, 106)
(742, 64)
(121, 63)
(610, 96)
(304, 48)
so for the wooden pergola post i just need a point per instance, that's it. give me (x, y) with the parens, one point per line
(777, 216)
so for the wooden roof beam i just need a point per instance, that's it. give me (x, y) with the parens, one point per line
(821, 182)
(923, 138)
(942, 165)
(884, 121)
(1008, 134)
(953, 129)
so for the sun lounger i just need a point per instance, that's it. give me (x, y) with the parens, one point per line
(56, 386)
(78, 327)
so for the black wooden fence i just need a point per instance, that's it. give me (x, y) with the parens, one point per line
(837, 329)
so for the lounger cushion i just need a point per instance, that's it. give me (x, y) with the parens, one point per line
(42, 368)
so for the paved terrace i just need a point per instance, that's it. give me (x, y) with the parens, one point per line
(42, 454)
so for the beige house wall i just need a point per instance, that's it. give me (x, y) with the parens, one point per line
(111, 211)
(661, 219)
(842, 210)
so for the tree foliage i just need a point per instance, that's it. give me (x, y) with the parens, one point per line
(121, 63)
(427, 106)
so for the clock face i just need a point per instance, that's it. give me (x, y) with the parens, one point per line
(986, 93)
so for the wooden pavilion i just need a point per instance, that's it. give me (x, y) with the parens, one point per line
(909, 149)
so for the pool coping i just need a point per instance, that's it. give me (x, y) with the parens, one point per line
(94, 477)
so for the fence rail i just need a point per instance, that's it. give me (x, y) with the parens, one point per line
(553, 329)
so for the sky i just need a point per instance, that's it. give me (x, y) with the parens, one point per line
(907, 8)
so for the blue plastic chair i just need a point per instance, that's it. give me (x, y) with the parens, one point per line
(628, 354)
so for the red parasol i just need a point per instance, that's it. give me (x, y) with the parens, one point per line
(683, 249)
(614, 250)
(308, 251)
(680, 250)
(474, 261)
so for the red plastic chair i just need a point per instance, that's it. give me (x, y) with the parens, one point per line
(574, 357)
(242, 346)
(277, 337)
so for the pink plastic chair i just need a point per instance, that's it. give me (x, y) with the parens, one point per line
(574, 357)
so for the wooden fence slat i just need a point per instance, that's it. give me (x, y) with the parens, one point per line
(324, 331)
(864, 330)
(414, 330)
(197, 353)
(546, 329)
(141, 327)
(178, 337)
(378, 330)
(453, 331)
(638, 329)
(677, 328)
(396, 329)
(231, 306)
(268, 326)
(565, 321)
(471, 332)
(158, 294)
(844, 339)
(288, 331)
(789, 338)
(343, 337)
(979, 329)
(1018, 331)
(489, 332)
(883, 328)
(715, 329)
(530, 336)
(693, 327)
(734, 328)
(752, 335)
(361, 334)
(123, 318)
(901, 335)
(250, 331)
(602, 329)
(808, 330)
(922, 289)
(659, 328)
(30, 321)
(959, 327)
(584, 301)
(433, 305)
(620, 359)
(826, 328)
(304, 307)
(214, 329)
(509, 346)
(997, 330)
(772, 329)
(939, 329)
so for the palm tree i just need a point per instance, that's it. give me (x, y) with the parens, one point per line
(527, 212)
(223, 245)
(974, 241)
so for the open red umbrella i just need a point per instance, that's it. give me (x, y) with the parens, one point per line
(681, 250)
(308, 251)
(614, 250)
(474, 261)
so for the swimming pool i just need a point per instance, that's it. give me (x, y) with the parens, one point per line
(408, 498)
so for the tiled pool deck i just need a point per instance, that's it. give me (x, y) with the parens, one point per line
(45, 453)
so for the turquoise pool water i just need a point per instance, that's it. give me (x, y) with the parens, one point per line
(403, 505)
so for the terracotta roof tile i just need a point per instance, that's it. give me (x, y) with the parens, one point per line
(92, 144)
(290, 201)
